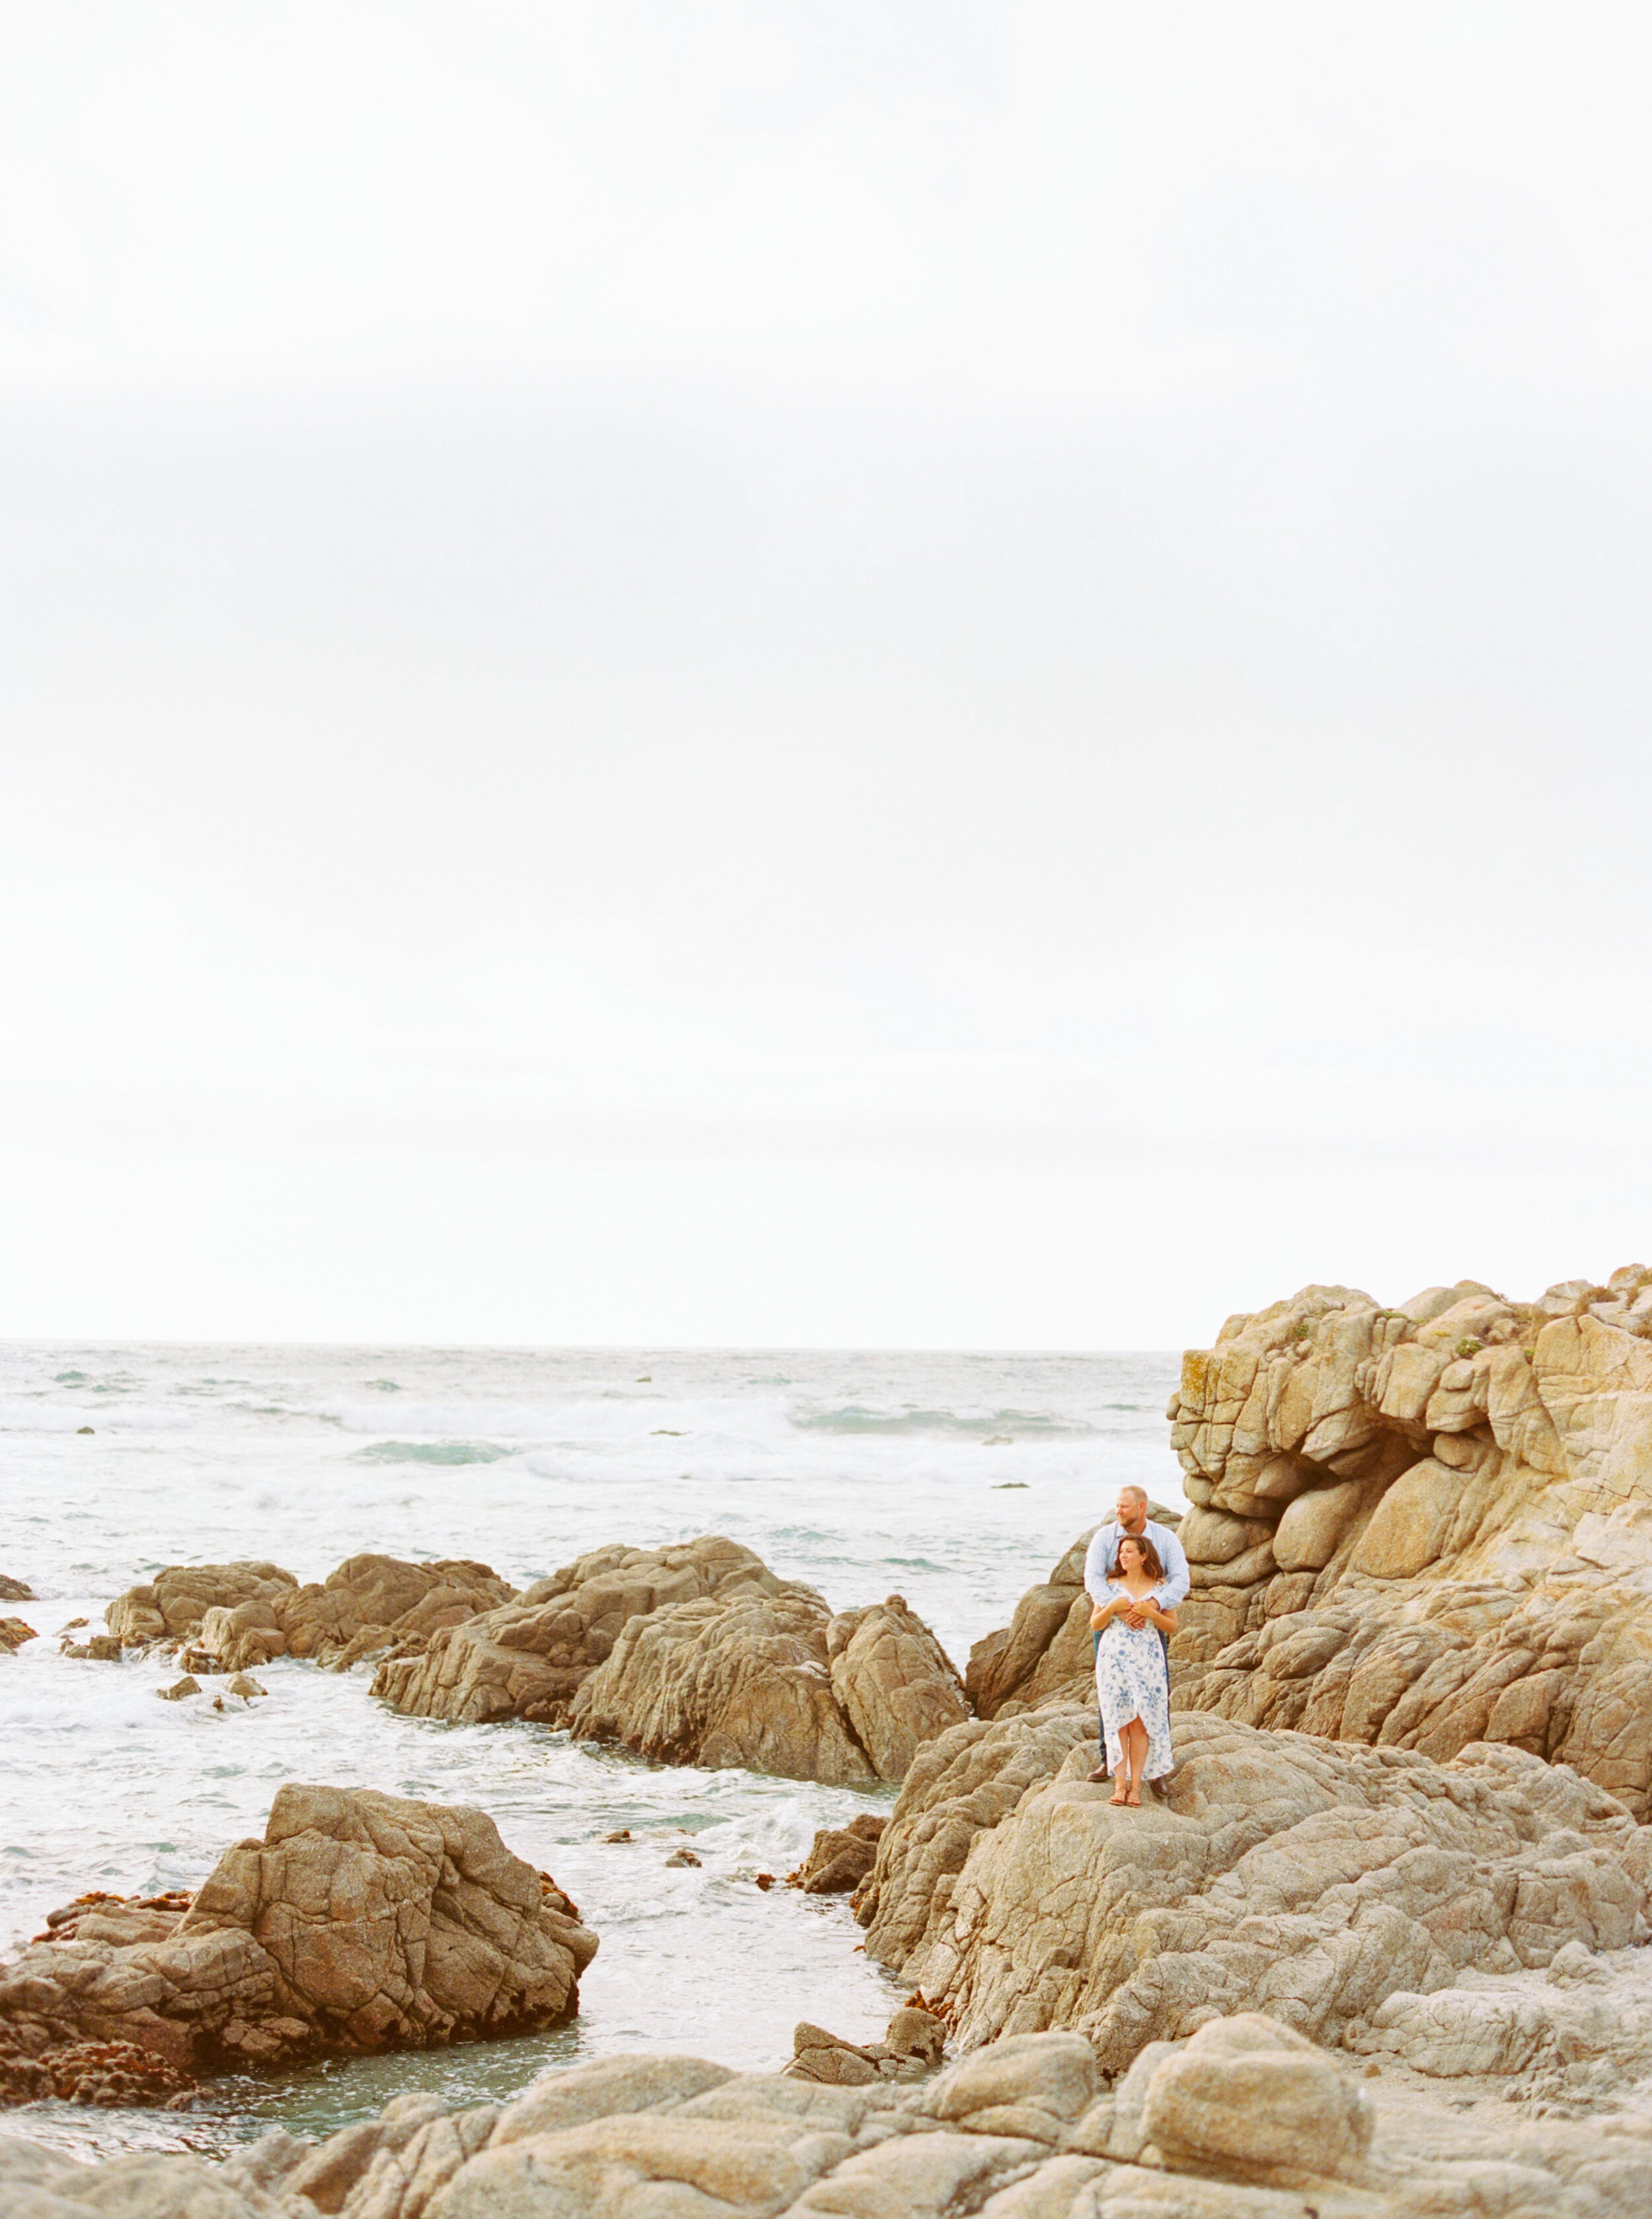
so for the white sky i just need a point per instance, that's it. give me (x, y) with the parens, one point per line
(865, 674)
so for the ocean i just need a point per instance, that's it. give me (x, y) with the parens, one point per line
(954, 1480)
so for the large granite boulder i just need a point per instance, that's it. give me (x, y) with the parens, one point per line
(528, 1659)
(894, 1683)
(237, 1617)
(739, 1679)
(360, 1922)
(1309, 1878)
(1420, 1527)
(695, 1654)
(1243, 2120)
(171, 1607)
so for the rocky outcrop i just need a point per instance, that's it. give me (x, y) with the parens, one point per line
(1243, 2120)
(893, 1682)
(696, 1654)
(730, 1680)
(1421, 1526)
(237, 1617)
(15, 1590)
(914, 2043)
(1446, 1513)
(360, 1922)
(840, 1857)
(14, 1631)
(1046, 1649)
(171, 1607)
(1307, 1878)
(528, 1659)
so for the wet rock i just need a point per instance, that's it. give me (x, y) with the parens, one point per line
(840, 1857)
(360, 1922)
(14, 1631)
(15, 1590)
(171, 1607)
(683, 1857)
(696, 1654)
(912, 2045)
(245, 1686)
(180, 1690)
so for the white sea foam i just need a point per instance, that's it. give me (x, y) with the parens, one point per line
(954, 1480)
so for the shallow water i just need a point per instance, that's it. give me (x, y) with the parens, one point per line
(955, 1480)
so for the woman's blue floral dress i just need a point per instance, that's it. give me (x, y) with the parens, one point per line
(1131, 1683)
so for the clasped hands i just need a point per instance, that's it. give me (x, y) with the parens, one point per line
(1134, 1613)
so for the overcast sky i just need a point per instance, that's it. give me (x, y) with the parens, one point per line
(933, 675)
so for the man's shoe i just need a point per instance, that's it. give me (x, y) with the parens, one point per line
(1098, 1776)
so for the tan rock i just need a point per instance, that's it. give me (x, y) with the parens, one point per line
(894, 1681)
(171, 1606)
(1408, 1529)
(738, 1679)
(1434, 1482)
(1249, 2098)
(360, 1922)
(529, 1658)
(1312, 1526)
(14, 1631)
(15, 1590)
(1304, 1878)
(840, 1858)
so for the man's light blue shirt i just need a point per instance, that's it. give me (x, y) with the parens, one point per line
(1104, 1548)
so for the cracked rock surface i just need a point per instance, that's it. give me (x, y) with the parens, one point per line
(1421, 1526)
(1306, 1878)
(1246, 2119)
(360, 1922)
(696, 1654)
(236, 1617)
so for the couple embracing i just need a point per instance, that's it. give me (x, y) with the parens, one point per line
(1135, 1572)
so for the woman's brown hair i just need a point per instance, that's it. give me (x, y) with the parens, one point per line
(1150, 1563)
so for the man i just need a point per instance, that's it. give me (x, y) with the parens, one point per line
(1131, 1517)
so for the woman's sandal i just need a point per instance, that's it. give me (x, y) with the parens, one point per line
(1119, 1794)
(1133, 1800)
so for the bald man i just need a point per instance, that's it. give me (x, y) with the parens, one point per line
(1130, 1516)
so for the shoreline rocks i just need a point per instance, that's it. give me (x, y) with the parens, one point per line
(1310, 1878)
(360, 1922)
(1245, 2119)
(695, 1654)
(1419, 1527)
(233, 1617)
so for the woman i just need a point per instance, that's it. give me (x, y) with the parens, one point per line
(1132, 1684)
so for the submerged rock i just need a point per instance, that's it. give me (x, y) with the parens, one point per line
(360, 1922)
